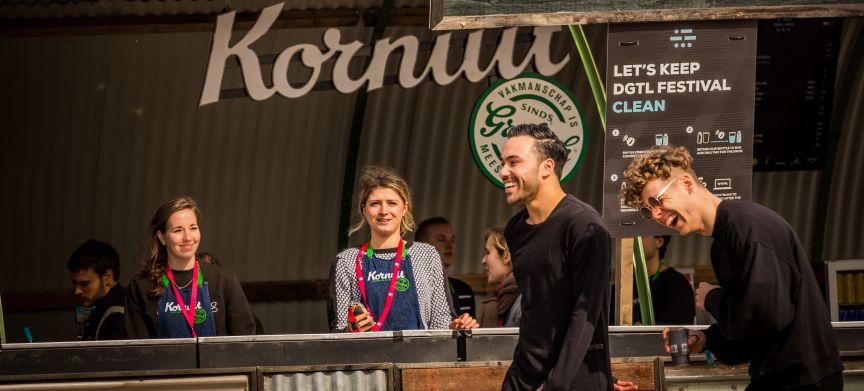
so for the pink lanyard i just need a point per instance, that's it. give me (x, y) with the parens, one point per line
(188, 313)
(393, 278)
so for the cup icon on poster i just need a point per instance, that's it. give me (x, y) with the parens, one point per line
(703, 137)
(733, 137)
(678, 346)
(661, 139)
(723, 184)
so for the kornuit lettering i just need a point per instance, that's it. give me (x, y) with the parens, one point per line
(312, 57)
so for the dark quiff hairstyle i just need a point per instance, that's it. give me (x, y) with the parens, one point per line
(546, 143)
(155, 259)
(96, 255)
(374, 177)
(422, 229)
(657, 163)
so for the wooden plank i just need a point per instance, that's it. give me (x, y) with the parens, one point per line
(490, 377)
(433, 379)
(471, 14)
(640, 373)
(624, 283)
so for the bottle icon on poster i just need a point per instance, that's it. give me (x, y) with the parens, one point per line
(661, 139)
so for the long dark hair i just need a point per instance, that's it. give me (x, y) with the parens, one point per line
(156, 256)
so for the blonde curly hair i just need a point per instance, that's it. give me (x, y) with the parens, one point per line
(657, 163)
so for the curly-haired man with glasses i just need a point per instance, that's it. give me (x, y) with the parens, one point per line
(768, 307)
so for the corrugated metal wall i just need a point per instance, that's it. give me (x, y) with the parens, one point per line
(844, 238)
(367, 380)
(26, 9)
(99, 130)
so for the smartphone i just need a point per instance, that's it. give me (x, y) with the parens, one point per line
(357, 309)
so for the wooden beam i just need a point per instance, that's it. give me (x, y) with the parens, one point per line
(264, 291)
(624, 283)
(470, 14)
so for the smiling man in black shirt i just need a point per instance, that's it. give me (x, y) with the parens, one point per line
(561, 260)
(768, 307)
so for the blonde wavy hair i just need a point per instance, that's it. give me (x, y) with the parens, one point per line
(373, 177)
(497, 235)
(657, 163)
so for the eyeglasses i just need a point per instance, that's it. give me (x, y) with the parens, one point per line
(655, 202)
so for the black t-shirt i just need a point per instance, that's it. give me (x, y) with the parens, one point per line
(231, 311)
(672, 298)
(769, 310)
(562, 267)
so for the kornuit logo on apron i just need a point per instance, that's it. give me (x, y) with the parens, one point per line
(170, 322)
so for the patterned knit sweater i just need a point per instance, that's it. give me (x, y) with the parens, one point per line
(428, 274)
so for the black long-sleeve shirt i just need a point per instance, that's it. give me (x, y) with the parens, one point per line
(769, 310)
(562, 266)
(671, 297)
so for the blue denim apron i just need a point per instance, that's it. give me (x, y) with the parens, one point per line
(170, 322)
(405, 310)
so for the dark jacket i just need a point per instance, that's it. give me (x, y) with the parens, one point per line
(110, 325)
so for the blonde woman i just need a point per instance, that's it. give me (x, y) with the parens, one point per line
(393, 284)
(504, 308)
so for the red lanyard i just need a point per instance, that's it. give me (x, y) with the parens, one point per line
(188, 313)
(390, 292)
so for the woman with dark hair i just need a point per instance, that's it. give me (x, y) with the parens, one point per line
(389, 284)
(170, 279)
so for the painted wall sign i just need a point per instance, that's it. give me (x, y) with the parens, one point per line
(407, 47)
(529, 98)
(682, 83)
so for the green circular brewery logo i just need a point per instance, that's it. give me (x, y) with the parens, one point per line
(402, 284)
(527, 99)
(200, 316)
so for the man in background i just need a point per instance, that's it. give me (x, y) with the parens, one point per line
(671, 293)
(94, 269)
(438, 232)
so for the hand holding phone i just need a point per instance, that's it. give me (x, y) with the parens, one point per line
(359, 320)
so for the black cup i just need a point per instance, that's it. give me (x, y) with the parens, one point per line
(678, 346)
